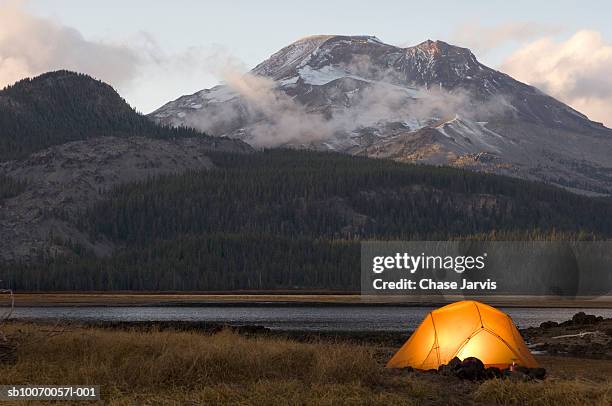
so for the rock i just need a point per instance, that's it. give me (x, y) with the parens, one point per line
(585, 319)
(454, 363)
(549, 324)
(471, 369)
(450, 368)
(522, 369)
(492, 373)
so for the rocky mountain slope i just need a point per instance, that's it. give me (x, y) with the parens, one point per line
(63, 181)
(66, 139)
(432, 103)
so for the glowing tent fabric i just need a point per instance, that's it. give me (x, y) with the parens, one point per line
(464, 329)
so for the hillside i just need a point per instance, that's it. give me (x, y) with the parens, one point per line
(294, 219)
(63, 106)
(65, 139)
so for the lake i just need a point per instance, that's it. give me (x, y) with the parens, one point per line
(307, 318)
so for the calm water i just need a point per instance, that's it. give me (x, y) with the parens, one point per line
(358, 318)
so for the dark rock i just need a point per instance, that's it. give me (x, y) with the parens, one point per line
(585, 319)
(522, 369)
(471, 369)
(549, 324)
(454, 363)
(493, 372)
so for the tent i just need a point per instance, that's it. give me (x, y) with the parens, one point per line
(464, 329)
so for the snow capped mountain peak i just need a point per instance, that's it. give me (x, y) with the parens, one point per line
(284, 63)
(285, 60)
(428, 63)
(433, 102)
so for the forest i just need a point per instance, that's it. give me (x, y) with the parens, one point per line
(289, 219)
(62, 106)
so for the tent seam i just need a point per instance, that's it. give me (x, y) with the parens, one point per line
(467, 340)
(435, 343)
(479, 315)
(519, 357)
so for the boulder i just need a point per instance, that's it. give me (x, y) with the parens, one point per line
(471, 369)
(492, 373)
(581, 318)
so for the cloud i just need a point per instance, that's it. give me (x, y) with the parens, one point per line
(137, 66)
(577, 71)
(31, 45)
(273, 118)
(481, 39)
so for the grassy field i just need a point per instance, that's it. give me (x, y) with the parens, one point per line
(174, 367)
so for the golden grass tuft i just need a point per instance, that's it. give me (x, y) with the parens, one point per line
(136, 359)
(551, 392)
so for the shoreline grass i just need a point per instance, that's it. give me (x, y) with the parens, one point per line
(185, 367)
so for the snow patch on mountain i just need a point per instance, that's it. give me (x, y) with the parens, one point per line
(218, 94)
(432, 103)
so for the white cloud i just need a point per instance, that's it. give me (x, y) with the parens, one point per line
(276, 118)
(481, 38)
(577, 71)
(31, 45)
(138, 66)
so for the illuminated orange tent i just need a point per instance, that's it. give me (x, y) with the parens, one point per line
(464, 329)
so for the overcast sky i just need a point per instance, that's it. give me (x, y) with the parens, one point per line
(155, 51)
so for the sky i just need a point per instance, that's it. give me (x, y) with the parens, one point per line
(153, 51)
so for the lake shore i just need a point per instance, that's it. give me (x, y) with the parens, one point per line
(288, 298)
(170, 366)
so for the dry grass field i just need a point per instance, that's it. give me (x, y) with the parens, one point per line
(178, 367)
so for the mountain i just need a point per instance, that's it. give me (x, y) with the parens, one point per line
(63, 106)
(66, 139)
(431, 103)
(98, 197)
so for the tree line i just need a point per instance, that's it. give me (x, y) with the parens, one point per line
(283, 219)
